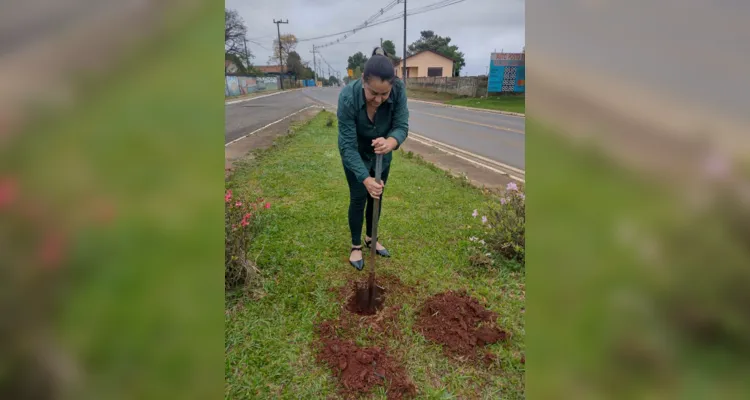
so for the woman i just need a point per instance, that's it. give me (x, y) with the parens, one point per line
(373, 119)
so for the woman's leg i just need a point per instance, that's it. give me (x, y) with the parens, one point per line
(371, 201)
(357, 201)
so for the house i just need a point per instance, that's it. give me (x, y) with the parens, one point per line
(426, 63)
(269, 69)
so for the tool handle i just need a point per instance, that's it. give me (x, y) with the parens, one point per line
(375, 214)
(378, 167)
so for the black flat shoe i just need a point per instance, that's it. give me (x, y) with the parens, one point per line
(382, 253)
(359, 264)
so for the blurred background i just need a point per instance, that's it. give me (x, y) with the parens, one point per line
(110, 215)
(110, 224)
(638, 199)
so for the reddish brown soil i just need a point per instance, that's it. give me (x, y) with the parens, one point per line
(459, 323)
(361, 369)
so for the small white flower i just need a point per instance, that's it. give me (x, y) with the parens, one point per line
(473, 239)
(484, 219)
(488, 254)
(482, 241)
(475, 213)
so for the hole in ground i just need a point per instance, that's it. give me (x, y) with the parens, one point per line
(366, 299)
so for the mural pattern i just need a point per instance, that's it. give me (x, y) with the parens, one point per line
(241, 85)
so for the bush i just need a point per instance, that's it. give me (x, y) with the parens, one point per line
(240, 216)
(505, 228)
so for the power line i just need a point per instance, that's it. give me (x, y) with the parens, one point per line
(363, 25)
(414, 11)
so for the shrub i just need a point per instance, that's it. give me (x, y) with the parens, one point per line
(505, 228)
(240, 216)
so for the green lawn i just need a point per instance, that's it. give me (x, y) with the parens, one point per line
(503, 103)
(303, 249)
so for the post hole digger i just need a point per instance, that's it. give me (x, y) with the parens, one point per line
(370, 297)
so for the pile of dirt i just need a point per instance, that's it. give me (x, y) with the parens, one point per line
(360, 369)
(459, 323)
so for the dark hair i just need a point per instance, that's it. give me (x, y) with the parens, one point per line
(379, 65)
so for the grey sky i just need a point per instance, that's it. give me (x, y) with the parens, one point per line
(477, 27)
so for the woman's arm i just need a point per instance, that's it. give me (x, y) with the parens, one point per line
(348, 139)
(400, 116)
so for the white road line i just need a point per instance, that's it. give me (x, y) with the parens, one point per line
(229, 103)
(274, 122)
(484, 110)
(435, 144)
(468, 153)
(469, 160)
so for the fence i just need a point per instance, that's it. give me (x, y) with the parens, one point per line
(471, 86)
(240, 85)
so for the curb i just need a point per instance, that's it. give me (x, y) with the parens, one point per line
(230, 102)
(514, 114)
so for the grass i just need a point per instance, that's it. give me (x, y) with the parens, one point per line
(303, 250)
(515, 104)
(503, 103)
(429, 95)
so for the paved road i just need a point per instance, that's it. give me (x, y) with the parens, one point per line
(243, 118)
(495, 136)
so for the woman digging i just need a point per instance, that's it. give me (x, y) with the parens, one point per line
(373, 119)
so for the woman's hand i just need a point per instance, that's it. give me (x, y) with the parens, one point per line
(373, 187)
(383, 145)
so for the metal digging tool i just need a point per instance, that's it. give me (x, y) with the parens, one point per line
(374, 292)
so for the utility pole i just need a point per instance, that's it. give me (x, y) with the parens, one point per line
(404, 70)
(315, 67)
(281, 55)
(381, 43)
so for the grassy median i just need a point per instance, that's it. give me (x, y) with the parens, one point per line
(302, 250)
(501, 103)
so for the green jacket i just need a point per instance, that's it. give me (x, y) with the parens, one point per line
(356, 132)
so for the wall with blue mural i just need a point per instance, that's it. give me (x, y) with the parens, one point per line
(240, 85)
(507, 73)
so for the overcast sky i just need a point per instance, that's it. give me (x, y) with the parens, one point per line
(477, 27)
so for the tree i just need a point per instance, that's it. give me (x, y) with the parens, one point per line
(288, 44)
(358, 72)
(430, 41)
(390, 49)
(235, 32)
(294, 65)
(356, 60)
(332, 81)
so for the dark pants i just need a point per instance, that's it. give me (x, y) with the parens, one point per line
(359, 199)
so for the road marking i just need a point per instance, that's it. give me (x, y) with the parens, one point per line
(484, 110)
(435, 144)
(477, 156)
(502, 128)
(274, 122)
(229, 103)
(438, 145)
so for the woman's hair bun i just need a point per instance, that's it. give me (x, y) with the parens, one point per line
(379, 51)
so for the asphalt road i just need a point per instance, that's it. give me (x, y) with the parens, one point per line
(495, 136)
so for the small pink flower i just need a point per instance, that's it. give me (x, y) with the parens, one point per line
(475, 213)
(512, 186)
(503, 201)
(523, 196)
(228, 196)
(238, 204)
(484, 219)
(245, 222)
(268, 205)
